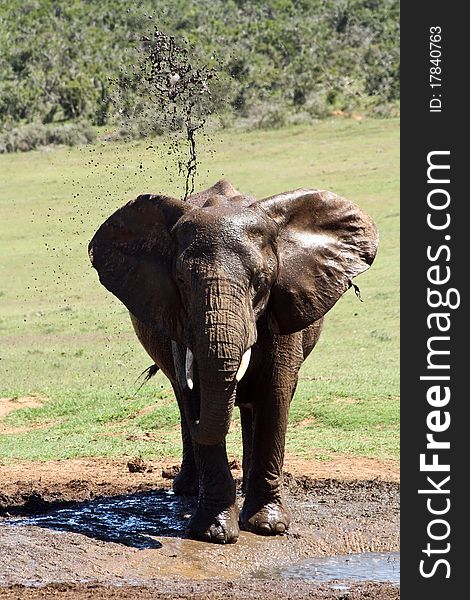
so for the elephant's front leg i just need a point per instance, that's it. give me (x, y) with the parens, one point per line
(265, 510)
(216, 516)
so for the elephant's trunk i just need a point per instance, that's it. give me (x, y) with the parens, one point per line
(223, 333)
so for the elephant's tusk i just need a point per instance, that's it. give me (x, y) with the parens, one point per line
(189, 366)
(243, 365)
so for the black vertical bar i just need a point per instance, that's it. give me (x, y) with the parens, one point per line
(434, 120)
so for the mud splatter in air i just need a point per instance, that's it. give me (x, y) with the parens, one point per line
(175, 98)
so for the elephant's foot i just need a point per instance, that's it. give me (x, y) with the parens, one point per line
(268, 516)
(186, 483)
(219, 526)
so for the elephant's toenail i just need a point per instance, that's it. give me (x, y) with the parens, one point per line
(265, 526)
(280, 528)
(216, 532)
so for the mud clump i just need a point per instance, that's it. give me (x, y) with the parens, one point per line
(235, 465)
(180, 90)
(175, 97)
(137, 465)
(170, 472)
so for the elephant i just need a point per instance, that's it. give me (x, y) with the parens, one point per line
(227, 294)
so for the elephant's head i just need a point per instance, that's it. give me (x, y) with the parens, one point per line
(202, 272)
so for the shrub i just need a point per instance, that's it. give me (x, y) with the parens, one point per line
(36, 135)
(266, 116)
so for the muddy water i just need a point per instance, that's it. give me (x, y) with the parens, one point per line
(129, 520)
(367, 566)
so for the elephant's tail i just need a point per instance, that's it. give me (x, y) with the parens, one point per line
(149, 373)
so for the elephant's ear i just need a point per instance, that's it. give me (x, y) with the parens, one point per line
(133, 254)
(324, 241)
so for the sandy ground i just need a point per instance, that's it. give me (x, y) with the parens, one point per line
(8, 405)
(340, 506)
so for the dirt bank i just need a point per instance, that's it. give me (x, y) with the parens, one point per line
(86, 478)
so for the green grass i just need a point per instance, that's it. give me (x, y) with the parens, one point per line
(65, 338)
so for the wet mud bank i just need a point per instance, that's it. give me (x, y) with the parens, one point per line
(82, 546)
(208, 590)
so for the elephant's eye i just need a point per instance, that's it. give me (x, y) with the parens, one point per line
(258, 284)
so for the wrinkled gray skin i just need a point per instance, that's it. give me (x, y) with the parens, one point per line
(219, 274)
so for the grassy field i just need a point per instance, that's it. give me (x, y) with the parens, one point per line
(67, 341)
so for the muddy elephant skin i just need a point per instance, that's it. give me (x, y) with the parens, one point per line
(227, 295)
